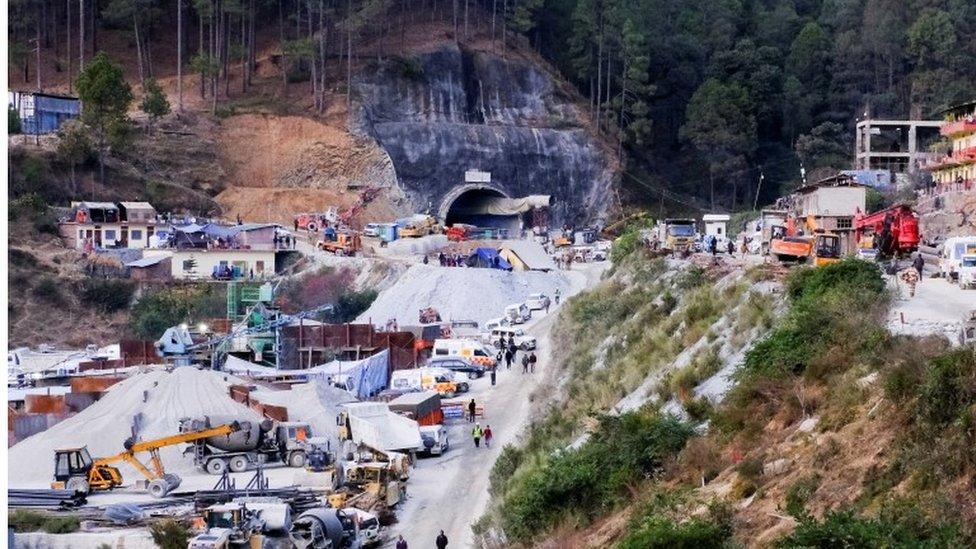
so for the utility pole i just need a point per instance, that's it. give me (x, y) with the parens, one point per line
(179, 55)
(755, 203)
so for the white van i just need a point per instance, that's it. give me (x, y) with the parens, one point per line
(504, 333)
(470, 349)
(950, 258)
(518, 313)
(425, 379)
(435, 439)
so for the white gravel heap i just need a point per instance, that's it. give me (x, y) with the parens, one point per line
(104, 426)
(459, 293)
(417, 246)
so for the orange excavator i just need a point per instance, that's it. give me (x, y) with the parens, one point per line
(788, 244)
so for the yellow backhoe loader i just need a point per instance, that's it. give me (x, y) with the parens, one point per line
(74, 468)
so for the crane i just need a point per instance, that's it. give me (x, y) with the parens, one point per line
(74, 468)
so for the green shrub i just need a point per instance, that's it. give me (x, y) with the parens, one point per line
(350, 304)
(662, 533)
(23, 520)
(49, 289)
(107, 295)
(846, 529)
(799, 493)
(13, 121)
(168, 307)
(505, 466)
(169, 534)
(590, 480)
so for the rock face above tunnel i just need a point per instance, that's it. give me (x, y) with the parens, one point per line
(441, 113)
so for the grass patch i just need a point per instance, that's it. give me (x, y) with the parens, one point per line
(107, 295)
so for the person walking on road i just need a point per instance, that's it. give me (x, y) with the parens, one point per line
(476, 434)
(401, 543)
(493, 368)
(471, 409)
(441, 541)
(508, 359)
(525, 363)
(487, 435)
(731, 247)
(532, 360)
(557, 296)
(919, 265)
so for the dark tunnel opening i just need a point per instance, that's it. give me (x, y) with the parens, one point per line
(465, 209)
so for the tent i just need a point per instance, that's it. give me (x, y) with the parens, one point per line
(526, 255)
(363, 378)
(488, 258)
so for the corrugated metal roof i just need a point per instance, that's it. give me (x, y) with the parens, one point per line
(147, 261)
(98, 205)
(137, 205)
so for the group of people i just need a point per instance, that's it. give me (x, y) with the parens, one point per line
(477, 433)
(440, 541)
(711, 244)
(286, 241)
(450, 260)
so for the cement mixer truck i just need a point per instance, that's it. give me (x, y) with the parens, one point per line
(255, 442)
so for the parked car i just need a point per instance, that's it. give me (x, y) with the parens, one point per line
(518, 313)
(435, 439)
(372, 230)
(457, 364)
(522, 340)
(967, 271)
(537, 302)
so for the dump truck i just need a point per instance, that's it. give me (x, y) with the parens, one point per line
(676, 235)
(253, 443)
(786, 247)
(345, 243)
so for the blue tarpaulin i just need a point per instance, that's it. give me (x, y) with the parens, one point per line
(488, 258)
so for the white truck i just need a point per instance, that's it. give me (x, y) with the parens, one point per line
(951, 255)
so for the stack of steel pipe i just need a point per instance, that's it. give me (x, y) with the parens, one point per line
(45, 498)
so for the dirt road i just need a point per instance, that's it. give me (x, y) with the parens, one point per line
(450, 492)
(938, 307)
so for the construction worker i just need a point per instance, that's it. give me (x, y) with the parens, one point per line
(919, 264)
(476, 434)
(472, 407)
(487, 434)
(441, 541)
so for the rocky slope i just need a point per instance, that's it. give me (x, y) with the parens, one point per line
(445, 111)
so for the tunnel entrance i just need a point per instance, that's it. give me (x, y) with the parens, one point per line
(471, 204)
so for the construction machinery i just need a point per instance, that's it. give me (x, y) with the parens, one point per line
(252, 444)
(892, 231)
(325, 528)
(312, 222)
(822, 247)
(460, 231)
(74, 468)
(676, 235)
(377, 478)
(345, 243)
(418, 226)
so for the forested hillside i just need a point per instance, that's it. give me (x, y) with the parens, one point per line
(705, 95)
(725, 90)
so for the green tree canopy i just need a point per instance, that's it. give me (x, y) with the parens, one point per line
(154, 102)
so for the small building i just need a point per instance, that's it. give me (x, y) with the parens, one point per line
(221, 264)
(154, 268)
(830, 205)
(953, 166)
(716, 224)
(42, 113)
(93, 225)
(526, 255)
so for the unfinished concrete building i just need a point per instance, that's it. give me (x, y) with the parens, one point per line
(897, 145)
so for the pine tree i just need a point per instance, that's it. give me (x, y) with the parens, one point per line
(154, 102)
(105, 96)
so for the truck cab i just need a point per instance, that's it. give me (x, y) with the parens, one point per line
(294, 442)
(678, 234)
(826, 250)
(226, 525)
